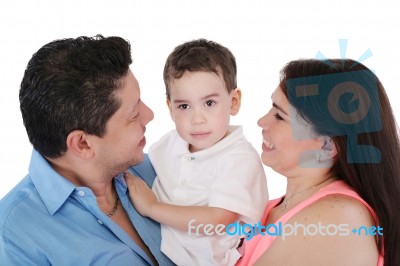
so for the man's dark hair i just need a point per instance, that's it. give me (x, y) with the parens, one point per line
(70, 84)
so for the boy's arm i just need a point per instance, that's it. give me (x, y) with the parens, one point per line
(180, 217)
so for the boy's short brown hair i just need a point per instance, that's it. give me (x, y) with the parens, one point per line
(200, 55)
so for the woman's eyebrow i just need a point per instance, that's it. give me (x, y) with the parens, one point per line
(279, 108)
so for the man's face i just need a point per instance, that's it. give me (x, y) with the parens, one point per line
(122, 145)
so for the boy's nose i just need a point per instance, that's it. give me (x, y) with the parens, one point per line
(198, 118)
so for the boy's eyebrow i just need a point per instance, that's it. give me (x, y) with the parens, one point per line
(210, 95)
(179, 101)
(202, 98)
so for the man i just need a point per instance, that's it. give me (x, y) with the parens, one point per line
(82, 110)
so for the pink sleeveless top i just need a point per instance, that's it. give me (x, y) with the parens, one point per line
(254, 248)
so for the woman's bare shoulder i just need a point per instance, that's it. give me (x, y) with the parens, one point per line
(337, 208)
(335, 230)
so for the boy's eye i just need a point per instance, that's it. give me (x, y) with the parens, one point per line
(278, 116)
(210, 103)
(183, 106)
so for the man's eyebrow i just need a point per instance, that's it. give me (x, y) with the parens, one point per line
(135, 105)
(279, 108)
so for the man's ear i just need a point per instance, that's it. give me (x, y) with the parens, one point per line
(170, 108)
(236, 101)
(79, 143)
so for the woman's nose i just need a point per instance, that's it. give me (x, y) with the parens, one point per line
(262, 122)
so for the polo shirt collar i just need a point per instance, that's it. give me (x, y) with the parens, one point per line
(53, 188)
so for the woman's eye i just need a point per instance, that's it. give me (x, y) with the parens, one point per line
(278, 116)
(210, 103)
(183, 106)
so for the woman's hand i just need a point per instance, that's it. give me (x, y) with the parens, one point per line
(142, 197)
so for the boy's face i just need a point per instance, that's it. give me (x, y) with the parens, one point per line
(201, 108)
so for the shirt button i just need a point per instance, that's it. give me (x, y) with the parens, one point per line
(100, 222)
(189, 158)
(81, 193)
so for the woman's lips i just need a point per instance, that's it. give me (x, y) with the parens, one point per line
(267, 145)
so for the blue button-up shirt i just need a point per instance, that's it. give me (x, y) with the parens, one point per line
(46, 220)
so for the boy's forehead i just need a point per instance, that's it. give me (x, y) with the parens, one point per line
(196, 76)
(197, 85)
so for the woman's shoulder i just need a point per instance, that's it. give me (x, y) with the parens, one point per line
(338, 227)
(338, 208)
(339, 202)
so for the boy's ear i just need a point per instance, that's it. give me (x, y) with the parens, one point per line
(170, 108)
(79, 143)
(236, 101)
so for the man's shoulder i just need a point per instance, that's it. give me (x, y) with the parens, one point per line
(14, 202)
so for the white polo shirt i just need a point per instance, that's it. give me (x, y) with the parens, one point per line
(228, 175)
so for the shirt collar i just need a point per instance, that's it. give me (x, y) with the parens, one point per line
(180, 146)
(53, 188)
(120, 180)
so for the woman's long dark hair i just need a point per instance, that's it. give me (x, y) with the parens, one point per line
(377, 181)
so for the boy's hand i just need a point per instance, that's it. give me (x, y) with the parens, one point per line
(142, 197)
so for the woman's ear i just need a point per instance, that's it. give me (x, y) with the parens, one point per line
(236, 101)
(328, 149)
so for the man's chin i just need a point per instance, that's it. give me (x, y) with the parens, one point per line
(124, 167)
(137, 160)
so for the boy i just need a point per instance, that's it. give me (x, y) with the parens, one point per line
(209, 175)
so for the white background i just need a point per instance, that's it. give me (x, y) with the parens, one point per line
(263, 35)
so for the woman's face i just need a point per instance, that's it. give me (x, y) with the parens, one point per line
(280, 150)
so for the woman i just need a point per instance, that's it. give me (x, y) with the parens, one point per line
(332, 133)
